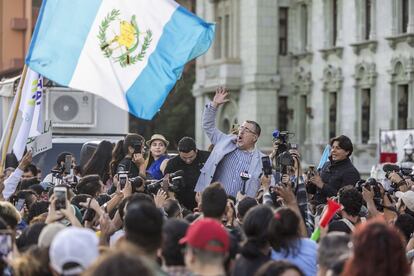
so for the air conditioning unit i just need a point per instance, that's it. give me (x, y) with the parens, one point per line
(70, 108)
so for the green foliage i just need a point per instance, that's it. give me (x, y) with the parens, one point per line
(176, 118)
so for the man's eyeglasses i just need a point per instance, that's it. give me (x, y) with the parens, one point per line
(243, 128)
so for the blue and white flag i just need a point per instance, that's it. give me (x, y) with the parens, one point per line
(131, 52)
(324, 157)
(31, 107)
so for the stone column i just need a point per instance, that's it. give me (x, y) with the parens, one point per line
(410, 28)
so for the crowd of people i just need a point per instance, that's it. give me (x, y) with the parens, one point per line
(134, 209)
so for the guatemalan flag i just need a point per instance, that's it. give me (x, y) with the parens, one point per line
(131, 52)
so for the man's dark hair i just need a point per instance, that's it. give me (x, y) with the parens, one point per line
(405, 223)
(119, 263)
(257, 127)
(27, 183)
(245, 205)
(172, 232)
(186, 144)
(214, 201)
(31, 168)
(89, 185)
(351, 199)
(143, 226)
(344, 143)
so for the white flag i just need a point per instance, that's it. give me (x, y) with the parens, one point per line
(30, 106)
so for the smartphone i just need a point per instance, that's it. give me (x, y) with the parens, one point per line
(6, 242)
(123, 177)
(294, 146)
(267, 166)
(68, 163)
(61, 197)
(20, 204)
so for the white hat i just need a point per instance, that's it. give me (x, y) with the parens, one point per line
(407, 198)
(73, 245)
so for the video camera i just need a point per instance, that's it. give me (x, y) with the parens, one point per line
(283, 157)
(401, 171)
(176, 183)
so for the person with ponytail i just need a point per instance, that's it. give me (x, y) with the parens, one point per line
(256, 250)
(288, 244)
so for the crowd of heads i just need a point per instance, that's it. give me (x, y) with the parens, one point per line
(122, 214)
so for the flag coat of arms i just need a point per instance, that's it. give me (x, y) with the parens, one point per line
(130, 52)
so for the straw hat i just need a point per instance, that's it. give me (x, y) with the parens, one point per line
(157, 137)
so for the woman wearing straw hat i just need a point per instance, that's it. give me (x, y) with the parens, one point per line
(158, 157)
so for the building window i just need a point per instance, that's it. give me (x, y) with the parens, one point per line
(303, 122)
(223, 42)
(332, 114)
(283, 113)
(365, 114)
(303, 27)
(367, 27)
(334, 22)
(404, 16)
(217, 41)
(283, 31)
(402, 107)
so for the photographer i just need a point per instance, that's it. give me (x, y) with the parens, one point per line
(128, 156)
(190, 160)
(337, 172)
(400, 178)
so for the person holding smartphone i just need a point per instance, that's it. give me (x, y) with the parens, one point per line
(60, 208)
(128, 156)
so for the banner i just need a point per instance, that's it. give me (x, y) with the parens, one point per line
(397, 146)
(42, 142)
(31, 108)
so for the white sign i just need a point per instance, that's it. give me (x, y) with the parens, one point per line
(43, 142)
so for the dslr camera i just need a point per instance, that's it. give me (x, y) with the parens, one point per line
(372, 185)
(402, 171)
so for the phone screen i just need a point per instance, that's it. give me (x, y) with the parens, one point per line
(20, 204)
(123, 177)
(267, 167)
(60, 194)
(6, 242)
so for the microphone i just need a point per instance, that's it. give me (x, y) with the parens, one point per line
(244, 176)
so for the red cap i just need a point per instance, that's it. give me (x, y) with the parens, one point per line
(207, 234)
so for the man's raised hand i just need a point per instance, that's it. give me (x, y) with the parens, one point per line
(220, 97)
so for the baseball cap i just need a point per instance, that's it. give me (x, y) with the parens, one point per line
(73, 245)
(407, 198)
(207, 234)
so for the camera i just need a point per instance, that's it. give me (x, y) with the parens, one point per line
(267, 166)
(283, 157)
(371, 185)
(176, 183)
(137, 147)
(402, 171)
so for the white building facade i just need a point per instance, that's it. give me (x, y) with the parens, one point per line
(318, 68)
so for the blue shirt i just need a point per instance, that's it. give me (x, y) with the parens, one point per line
(229, 169)
(305, 258)
(154, 170)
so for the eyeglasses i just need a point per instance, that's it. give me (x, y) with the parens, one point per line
(243, 128)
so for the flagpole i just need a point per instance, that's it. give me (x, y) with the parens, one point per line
(5, 147)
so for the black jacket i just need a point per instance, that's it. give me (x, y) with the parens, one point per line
(249, 261)
(336, 175)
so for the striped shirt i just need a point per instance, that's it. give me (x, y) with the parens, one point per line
(229, 169)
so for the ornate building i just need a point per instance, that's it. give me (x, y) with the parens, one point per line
(318, 68)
